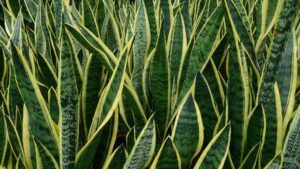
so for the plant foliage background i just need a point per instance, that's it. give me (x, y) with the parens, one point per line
(149, 84)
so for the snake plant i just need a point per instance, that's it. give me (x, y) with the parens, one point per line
(164, 84)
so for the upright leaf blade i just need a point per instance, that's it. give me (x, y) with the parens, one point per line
(238, 97)
(206, 103)
(140, 47)
(291, 151)
(242, 28)
(188, 133)
(283, 28)
(110, 96)
(152, 22)
(167, 156)
(116, 159)
(2, 132)
(159, 84)
(68, 99)
(89, 20)
(90, 90)
(202, 48)
(143, 150)
(215, 153)
(178, 42)
(40, 124)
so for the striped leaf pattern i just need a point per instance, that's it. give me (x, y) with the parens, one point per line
(149, 84)
(167, 156)
(159, 83)
(291, 156)
(140, 47)
(31, 95)
(283, 29)
(215, 153)
(68, 105)
(188, 131)
(201, 50)
(143, 149)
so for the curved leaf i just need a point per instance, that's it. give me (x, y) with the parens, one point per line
(143, 150)
(159, 84)
(152, 22)
(256, 127)
(238, 99)
(117, 159)
(140, 47)
(167, 156)
(188, 132)
(215, 153)
(86, 154)
(91, 87)
(88, 40)
(2, 132)
(110, 96)
(287, 77)
(275, 163)
(178, 41)
(89, 20)
(203, 97)
(40, 123)
(291, 151)
(242, 28)
(68, 99)
(202, 49)
(270, 71)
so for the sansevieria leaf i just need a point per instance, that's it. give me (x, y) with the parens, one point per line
(275, 163)
(270, 71)
(178, 42)
(188, 133)
(206, 103)
(167, 156)
(202, 48)
(167, 15)
(13, 136)
(40, 123)
(238, 96)
(286, 78)
(84, 157)
(148, 84)
(89, 19)
(241, 27)
(143, 150)
(152, 22)
(140, 47)
(256, 127)
(103, 114)
(90, 90)
(116, 159)
(3, 67)
(88, 40)
(2, 132)
(68, 98)
(215, 153)
(160, 84)
(110, 96)
(291, 154)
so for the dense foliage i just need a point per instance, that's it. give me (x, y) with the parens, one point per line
(149, 84)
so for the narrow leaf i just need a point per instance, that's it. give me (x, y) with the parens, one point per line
(167, 156)
(291, 151)
(143, 150)
(188, 132)
(202, 48)
(215, 153)
(68, 99)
